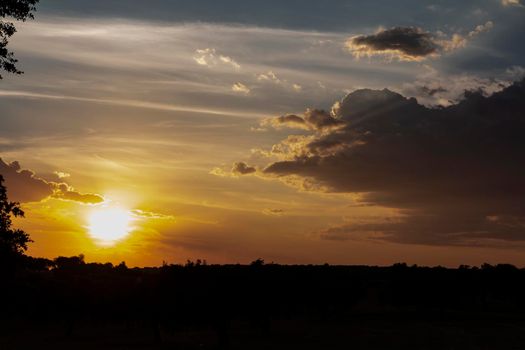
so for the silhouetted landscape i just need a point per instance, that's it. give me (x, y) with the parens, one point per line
(70, 304)
(358, 133)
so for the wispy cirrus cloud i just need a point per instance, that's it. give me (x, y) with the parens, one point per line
(127, 103)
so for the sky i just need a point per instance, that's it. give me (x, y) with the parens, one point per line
(341, 132)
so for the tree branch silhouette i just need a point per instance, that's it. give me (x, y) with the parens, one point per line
(19, 10)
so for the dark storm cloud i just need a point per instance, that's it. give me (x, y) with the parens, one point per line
(410, 43)
(455, 173)
(24, 186)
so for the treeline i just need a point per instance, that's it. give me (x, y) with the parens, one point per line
(72, 296)
(198, 294)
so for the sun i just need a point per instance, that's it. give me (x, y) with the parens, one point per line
(107, 226)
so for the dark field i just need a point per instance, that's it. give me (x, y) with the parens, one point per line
(73, 305)
(378, 331)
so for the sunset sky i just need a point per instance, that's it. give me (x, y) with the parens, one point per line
(285, 130)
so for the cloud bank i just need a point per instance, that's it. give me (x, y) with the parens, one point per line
(455, 174)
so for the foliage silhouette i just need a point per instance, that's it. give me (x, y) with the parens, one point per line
(13, 242)
(19, 10)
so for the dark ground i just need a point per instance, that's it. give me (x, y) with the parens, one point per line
(68, 304)
(372, 333)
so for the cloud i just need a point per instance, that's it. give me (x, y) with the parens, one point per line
(410, 43)
(24, 186)
(482, 28)
(61, 175)
(407, 43)
(459, 41)
(434, 89)
(511, 3)
(271, 77)
(209, 57)
(241, 168)
(240, 87)
(445, 170)
(237, 169)
(141, 214)
(273, 212)
(516, 72)
(291, 121)
(129, 103)
(312, 119)
(65, 192)
(219, 172)
(230, 61)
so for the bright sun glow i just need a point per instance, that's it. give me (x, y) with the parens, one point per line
(109, 225)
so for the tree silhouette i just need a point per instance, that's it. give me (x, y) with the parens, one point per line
(13, 242)
(19, 10)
